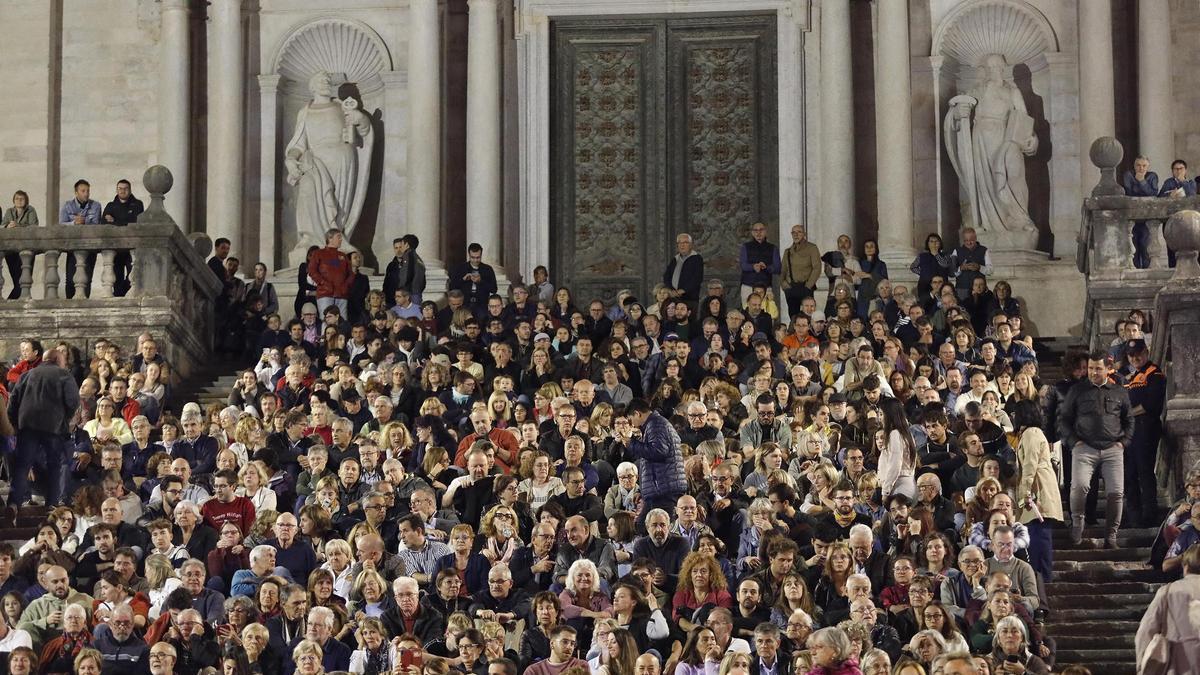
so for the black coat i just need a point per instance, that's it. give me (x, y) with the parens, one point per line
(691, 278)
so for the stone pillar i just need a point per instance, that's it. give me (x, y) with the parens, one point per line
(1097, 115)
(1176, 339)
(424, 162)
(1156, 137)
(226, 80)
(837, 124)
(893, 119)
(483, 128)
(268, 113)
(174, 103)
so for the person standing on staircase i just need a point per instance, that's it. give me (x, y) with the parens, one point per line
(41, 405)
(1096, 422)
(331, 269)
(1171, 614)
(1147, 387)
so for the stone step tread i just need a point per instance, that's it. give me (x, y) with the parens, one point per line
(1100, 575)
(1056, 588)
(1089, 554)
(1085, 628)
(1115, 565)
(1097, 614)
(1094, 656)
(1093, 641)
(1105, 668)
(1102, 600)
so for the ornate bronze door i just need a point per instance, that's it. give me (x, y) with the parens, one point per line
(659, 126)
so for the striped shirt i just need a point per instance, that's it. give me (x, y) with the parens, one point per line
(425, 560)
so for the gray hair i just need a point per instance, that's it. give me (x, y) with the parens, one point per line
(872, 659)
(627, 466)
(257, 553)
(766, 629)
(937, 638)
(658, 512)
(969, 548)
(1007, 622)
(321, 615)
(581, 565)
(501, 569)
(861, 530)
(193, 562)
(189, 505)
(836, 638)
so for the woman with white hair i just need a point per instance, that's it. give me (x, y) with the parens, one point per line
(308, 656)
(1012, 641)
(926, 646)
(582, 601)
(831, 654)
(624, 495)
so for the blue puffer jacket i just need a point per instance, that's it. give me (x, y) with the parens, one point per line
(659, 461)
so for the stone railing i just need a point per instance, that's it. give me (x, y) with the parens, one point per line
(171, 295)
(1175, 346)
(1105, 255)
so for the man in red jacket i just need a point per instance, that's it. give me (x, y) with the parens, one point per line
(31, 355)
(331, 269)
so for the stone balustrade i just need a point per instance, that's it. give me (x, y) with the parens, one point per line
(171, 296)
(1175, 346)
(1105, 246)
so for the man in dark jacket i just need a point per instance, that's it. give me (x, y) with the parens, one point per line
(1096, 422)
(685, 272)
(410, 616)
(41, 406)
(122, 210)
(406, 270)
(653, 443)
(474, 278)
(122, 652)
(500, 602)
(1147, 387)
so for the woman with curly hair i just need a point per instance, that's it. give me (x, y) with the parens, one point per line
(701, 582)
(498, 537)
(542, 485)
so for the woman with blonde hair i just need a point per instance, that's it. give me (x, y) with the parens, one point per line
(701, 582)
(371, 594)
(499, 409)
(252, 484)
(472, 568)
(499, 536)
(437, 469)
(308, 658)
(107, 425)
(247, 437)
(338, 562)
(735, 663)
(830, 592)
(763, 522)
(375, 654)
(161, 580)
(769, 457)
(820, 496)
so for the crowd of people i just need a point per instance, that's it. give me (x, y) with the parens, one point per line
(543, 484)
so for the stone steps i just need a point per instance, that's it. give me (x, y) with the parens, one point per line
(210, 385)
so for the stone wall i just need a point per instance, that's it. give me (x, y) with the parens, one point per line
(1183, 59)
(79, 81)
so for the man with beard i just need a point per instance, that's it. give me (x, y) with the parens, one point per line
(783, 499)
(750, 610)
(725, 516)
(665, 549)
(843, 516)
(940, 453)
(409, 616)
(504, 442)
(781, 561)
(115, 641)
(43, 618)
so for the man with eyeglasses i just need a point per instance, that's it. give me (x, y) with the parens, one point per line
(438, 524)
(697, 430)
(726, 505)
(562, 654)
(965, 583)
(504, 442)
(293, 553)
(533, 565)
(929, 495)
(799, 627)
(766, 427)
(720, 622)
(553, 439)
(500, 602)
(843, 516)
(121, 650)
(577, 499)
(194, 651)
(320, 630)
(882, 636)
(409, 616)
(687, 521)
(420, 554)
(227, 506)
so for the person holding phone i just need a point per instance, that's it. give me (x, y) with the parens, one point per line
(1010, 650)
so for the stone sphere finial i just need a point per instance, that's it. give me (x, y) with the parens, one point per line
(1182, 232)
(1106, 152)
(158, 179)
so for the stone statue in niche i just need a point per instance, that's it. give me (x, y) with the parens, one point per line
(327, 161)
(988, 135)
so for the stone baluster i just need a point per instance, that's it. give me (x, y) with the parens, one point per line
(79, 282)
(107, 278)
(135, 274)
(26, 274)
(50, 277)
(1156, 247)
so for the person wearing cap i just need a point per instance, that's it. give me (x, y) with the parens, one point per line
(1147, 388)
(817, 324)
(801, 269)
(685, 272)
(758, 260)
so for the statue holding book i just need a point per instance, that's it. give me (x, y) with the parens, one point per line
(988, 135)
